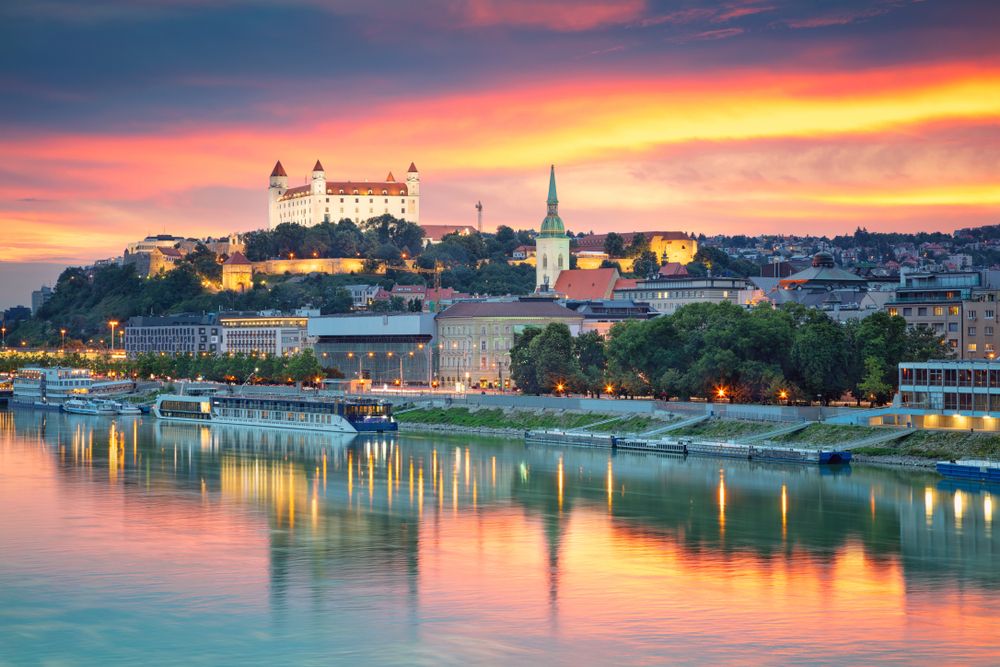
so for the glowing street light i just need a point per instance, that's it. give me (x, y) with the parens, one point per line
(720, 392)
(113, 324)
(608, 389)
(62, 332)
(783, 395)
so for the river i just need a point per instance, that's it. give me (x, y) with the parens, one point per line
(126, 541)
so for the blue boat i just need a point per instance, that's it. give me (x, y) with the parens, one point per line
(971, 470)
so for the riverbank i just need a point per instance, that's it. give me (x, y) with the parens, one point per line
(922, 448)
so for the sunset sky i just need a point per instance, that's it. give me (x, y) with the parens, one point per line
(127, 117)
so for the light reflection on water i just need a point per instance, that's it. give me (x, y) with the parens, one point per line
(136, 541)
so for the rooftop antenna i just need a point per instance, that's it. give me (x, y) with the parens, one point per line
(479, 216)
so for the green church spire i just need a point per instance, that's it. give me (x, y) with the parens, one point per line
(552, 225)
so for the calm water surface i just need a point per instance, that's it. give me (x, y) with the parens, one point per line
(130, 541)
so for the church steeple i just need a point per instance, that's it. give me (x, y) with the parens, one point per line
(553, 224)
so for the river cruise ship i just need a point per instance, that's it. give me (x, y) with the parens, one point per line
(276, 411)
(50, 387)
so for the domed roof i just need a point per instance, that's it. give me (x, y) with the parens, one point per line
(823, 260)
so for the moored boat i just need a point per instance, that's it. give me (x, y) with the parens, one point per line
(970, 470)
(278, 411)
(81, 406)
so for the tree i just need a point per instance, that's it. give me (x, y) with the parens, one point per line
(522, 362)
(337, 301)
(614, 245)
(304, 367)
(555, 363)
(589, 351)
(645, 265)
(873, 385)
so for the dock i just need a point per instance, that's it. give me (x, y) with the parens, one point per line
(690, 447)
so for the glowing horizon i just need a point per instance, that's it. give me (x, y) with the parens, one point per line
(644, 134)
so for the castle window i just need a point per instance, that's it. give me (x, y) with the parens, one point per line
(356, 200)
(370, 201)
(386, 201)
(341, 199)
(341, 192)
(385, 192)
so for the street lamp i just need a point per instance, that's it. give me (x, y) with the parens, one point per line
(113, 324)
(62, 332)
(3, 329)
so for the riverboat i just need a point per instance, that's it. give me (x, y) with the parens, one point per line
(277, 411)
(970, 470)
(81, 406)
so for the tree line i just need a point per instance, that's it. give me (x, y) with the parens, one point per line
(234, 368)
(722, 351)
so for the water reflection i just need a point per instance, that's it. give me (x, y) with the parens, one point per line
(484, 551)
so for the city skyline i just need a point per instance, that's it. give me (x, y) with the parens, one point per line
(749, 117)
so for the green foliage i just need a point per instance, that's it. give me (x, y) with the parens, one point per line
(873, 383)
(645, 264)
(614, 245)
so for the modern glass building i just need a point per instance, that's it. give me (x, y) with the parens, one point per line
(389, 349)
(951, 394)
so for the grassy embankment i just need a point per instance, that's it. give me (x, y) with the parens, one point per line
(527, 419)
(930, 445)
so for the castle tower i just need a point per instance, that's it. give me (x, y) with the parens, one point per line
(413, 194)
(551, 244)
(318, 180)
(276, 187)
(237, 273)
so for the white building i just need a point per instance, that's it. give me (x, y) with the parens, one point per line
(322, 200)
(552, 244)
(263, 333)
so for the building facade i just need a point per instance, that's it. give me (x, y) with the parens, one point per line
(263, 333)
(173, 334)
(950, 394)
(237, 273)
(322, 200)
(385, 349)
(957, 306)
(666, 295)
(39, 298)
(551, 244)
(475, 337)
(667, 246)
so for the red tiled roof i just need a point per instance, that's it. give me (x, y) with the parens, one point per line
(673, 270)
(412, 169)
(169, 252)
(237, 258)
(390, 178)
(586, 284)
(318, 166)
(596, 241)
(278, 169)
(625, 283)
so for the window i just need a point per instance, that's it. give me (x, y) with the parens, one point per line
(953, 310)
(972, 331)
(952, 326)
(482, 345)
(988, 314)
(953, 343)
(987, 331)
(907, 312)
(971, 314)
(972, 347)
(922, 311)
(893, 312)
(938, 311)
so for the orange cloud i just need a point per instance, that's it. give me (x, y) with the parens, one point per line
(718, 150)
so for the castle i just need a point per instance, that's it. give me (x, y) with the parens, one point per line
(322, 200)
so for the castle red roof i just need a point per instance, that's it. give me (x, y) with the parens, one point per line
(412, 169)
(278, 169)
(390, 178)
(318, 166)
(348, 188)
(673, 270)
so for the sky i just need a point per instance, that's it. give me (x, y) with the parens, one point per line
(121, 118)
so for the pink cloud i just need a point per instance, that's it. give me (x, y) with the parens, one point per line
(560, 15)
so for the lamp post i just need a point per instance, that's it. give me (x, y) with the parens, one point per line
(62, 332)
(3, 329)
(113, 324)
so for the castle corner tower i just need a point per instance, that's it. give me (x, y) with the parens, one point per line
(277, 186)
(551, 244)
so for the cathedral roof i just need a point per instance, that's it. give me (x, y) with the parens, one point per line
(318, 166)
(278, 169)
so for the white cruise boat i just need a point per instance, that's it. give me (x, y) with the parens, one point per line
(82, 406)
(277, 411)
(50, 387)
